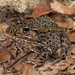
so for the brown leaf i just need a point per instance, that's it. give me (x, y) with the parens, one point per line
(48, 69)
(71, 67)
(29, 70)
(71, 72)
(19, 69)
(74, 25)
(4, 55)
(71, 35)
(59, 73)
(60, 8)
(12, 52)
(51, 7)
(1, 69)
(63, 67)
(73, 50)
(7, 43)
(62, 24)
(0, 28)
(40, 10)
(56, 17)
(73, 57)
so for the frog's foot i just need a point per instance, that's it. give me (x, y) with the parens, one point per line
(40, 59)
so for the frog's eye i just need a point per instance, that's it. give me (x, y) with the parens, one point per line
(26, 29)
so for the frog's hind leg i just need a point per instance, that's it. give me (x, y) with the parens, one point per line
(65, 46)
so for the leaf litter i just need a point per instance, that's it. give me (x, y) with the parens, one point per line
(11, 58)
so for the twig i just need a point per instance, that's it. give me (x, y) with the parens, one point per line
(18, 60)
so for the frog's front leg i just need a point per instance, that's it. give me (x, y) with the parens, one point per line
(40, 60)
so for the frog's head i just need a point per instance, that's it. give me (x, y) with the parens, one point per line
(17, 29)
(22, 31)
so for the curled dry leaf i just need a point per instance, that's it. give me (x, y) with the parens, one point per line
(4, 55)
(60, 8)
(40, 10)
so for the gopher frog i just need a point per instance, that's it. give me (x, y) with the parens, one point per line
(45, 32)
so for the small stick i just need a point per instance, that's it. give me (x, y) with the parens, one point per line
(18, 60)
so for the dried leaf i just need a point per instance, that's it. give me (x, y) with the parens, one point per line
(40, 10)
(56, 17)
(73, 50)
(69, 21)
(48, 69)
(73, 25)
(71, 72)
(73, 57)
(59, 73)
(63, 67)
(71, 35)
(7, 43)
(71, 67)
(1, 69)
(29, 70)
(0, 28)
(12, 52)
(19, 69)
(51, 7)
(4, 55)
(62, 24)
(60, 8)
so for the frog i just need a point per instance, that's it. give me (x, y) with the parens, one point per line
(50, 39)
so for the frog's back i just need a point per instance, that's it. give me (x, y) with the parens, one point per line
(42, 22)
